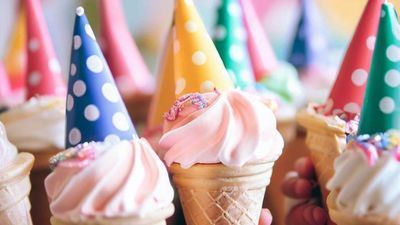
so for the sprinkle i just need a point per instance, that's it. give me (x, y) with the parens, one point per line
(373, 146)
(195, 99)
(82, 151)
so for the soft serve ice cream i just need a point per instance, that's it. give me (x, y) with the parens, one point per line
(367, 176)
(37, 124)
(108, 180)
(232, 128)
(8, 152)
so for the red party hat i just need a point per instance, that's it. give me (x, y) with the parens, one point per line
(347, 94)
(44, 72)
(127, 65)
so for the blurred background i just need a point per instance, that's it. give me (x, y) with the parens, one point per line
(150, 19)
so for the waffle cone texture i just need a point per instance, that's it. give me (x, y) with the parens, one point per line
(214, 194)
(345, 218)
(325, 142)
(14, 191)
(156, 218)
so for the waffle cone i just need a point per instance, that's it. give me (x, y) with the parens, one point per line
(325, 141)
(156, 218)
(345, 218)
(215, 194)
(38, 197)
(14, 191)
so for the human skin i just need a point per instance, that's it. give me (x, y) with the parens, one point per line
(302, 187)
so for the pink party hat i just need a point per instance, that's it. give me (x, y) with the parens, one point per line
(262, 56)
(44, 72)
(127, 65)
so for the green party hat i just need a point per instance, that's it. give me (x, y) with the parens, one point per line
(381, 108)
(230, 38)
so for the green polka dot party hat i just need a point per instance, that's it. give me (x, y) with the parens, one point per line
(230, 38)
(381, 107)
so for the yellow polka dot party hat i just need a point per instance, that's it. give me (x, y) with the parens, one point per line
(197, 64)
(164, 96)
(190, 63)
(15, 59)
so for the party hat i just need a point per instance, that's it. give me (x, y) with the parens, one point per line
(262, 56)
(381, 107)
(197, 64)
(353, 74)
(230, 38)
(95, 110)
(309, 42)
(44, 75)
(130, 72)
(5, 89)
(164, 96)
(16, 55)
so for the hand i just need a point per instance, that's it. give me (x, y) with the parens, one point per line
(303, 187)
(265, 217)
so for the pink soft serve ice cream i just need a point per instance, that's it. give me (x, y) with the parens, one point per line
(104, 180)
(232, 128)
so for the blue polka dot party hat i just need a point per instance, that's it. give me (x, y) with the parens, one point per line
(95, 110)
(381, 108)
(309, 42)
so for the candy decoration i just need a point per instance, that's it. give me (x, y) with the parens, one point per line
(353, 74)
(15, 60)
(95, 110)
(164, 96)
(230, 38)
(127, 65)
(381, 108)
(197, 64)
(262, 56)
(309, 44)
(44, 72)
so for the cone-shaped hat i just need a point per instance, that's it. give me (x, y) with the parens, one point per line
(353, 73)
(381, 107)
(95, 110)
(230, 38)
(197, 64)
(126, 63)
(44, 75)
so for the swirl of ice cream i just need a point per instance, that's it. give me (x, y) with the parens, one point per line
(36, 124)
(367, 176)
(8, 152)
(107, 180)
(233, 128)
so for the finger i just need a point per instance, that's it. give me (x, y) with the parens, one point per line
(305, 168)
(307, 214)
(298, 188)
(265, 217)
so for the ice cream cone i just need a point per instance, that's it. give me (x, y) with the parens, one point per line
(38, 195)
(216, 194)
(156, 218)
(325, 140)
(14, 190)
(343, 218)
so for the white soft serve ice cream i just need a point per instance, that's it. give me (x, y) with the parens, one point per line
(8, 152)
(367, 176)
(36, 124)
